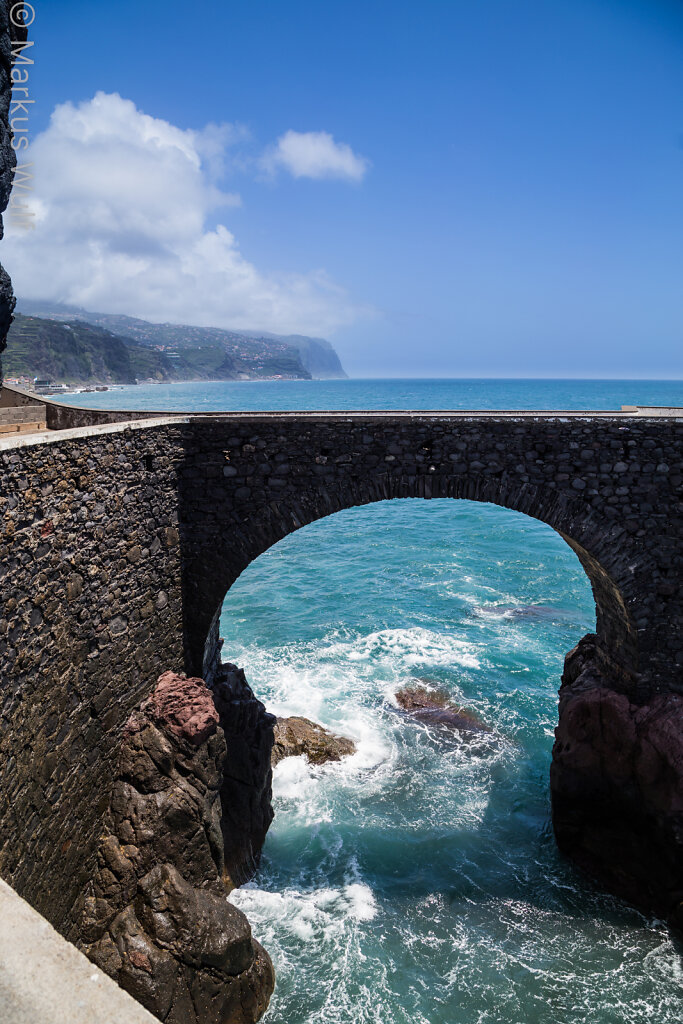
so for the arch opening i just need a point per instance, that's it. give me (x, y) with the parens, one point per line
(588, 538)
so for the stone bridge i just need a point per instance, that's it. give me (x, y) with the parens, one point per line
(119, 541)
(609, 485)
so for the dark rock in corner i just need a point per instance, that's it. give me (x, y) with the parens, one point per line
(616, 783)
(434, 707)
(295, 736)
(155, 916)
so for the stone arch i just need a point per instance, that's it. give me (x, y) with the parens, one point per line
(589, 537)
(616, 772)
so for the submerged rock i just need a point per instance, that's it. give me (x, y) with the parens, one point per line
(155, 915)
(295, 736)
(521, 611)
(434, 707)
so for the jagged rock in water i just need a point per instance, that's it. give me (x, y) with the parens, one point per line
(295, 736)
(616, 782)
(156, 917)
(434, 707)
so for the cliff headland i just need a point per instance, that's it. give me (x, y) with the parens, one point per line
(68, 344)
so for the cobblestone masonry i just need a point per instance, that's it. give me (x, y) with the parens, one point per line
(91, 611)
(118, 548)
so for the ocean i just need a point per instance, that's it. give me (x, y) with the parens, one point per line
(418, 880)
(199, 396)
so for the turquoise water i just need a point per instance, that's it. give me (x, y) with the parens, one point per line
(388, 394)
(418, 880)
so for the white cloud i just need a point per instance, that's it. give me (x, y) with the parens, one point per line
(315, 155)
(122, 203)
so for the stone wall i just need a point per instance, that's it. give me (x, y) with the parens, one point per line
(612, 487)
(91, 614)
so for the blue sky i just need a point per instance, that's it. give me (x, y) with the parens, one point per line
(515, 207)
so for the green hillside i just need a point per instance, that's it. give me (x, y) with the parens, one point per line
(252, 354)
(76, 352)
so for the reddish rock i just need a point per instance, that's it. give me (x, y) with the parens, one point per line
(617, 784)
(183, 706)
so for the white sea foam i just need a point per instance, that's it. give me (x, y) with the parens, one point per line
(412, 647)
(293, 780)
(361, 902)
(320, 915)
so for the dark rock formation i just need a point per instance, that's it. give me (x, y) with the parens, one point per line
(434, 707)
(9, 33)
(247, 776)
(155, 916)
(7, 302)
(617, 784)
(295, 736)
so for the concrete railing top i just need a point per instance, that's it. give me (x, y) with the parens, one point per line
(44, 978)
(96, 430)
(653, 410)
